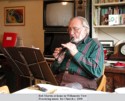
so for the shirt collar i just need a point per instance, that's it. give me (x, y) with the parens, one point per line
(84, 40)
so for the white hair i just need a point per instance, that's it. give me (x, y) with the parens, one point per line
(84, 22)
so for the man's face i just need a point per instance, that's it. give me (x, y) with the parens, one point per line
(76, 30)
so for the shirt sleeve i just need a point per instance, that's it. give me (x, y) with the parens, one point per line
(93, 63)
(54, 66)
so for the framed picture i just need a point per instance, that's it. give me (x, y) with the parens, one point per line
(14, 16)
(107, 43)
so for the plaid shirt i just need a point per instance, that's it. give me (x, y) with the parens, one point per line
(88, 62)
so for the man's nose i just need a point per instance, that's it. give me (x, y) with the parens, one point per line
(71, 32)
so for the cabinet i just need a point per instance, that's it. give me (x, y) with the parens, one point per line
(101, 9)
(115, 78)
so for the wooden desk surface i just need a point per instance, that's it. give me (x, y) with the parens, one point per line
(109, 69)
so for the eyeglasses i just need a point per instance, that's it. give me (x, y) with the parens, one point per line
(74, 29)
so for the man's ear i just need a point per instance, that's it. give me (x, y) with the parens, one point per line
(87, 30)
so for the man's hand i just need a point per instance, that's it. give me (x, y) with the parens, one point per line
(58, 55)
(56, 52)
(71, 47)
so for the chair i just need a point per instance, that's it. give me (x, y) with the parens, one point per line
(101, 82)
(9, 39)
(4, 90)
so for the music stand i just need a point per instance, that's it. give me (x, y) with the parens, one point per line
(29, 62)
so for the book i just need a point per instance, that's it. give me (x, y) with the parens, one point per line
(116, 0)
(116, 10)
(96, 20)
(110, 0)
(102, 1)
(114, 19)
(104, 16)
(123, 19)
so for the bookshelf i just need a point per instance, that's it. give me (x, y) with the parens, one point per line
(103, 26)
(109, 4)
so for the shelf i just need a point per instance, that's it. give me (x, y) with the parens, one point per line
(100, 27)
(109, 4)
(107, 26)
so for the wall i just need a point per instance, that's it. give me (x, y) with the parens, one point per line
(115, 33)
(32, 32)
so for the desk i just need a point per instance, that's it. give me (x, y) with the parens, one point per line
(51, 89)
(115, 78)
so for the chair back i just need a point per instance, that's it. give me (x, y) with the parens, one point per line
(4, 90)
(101, 82)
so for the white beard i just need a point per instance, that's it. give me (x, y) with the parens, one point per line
(81, 37)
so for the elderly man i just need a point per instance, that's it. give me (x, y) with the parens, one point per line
(80, 60)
